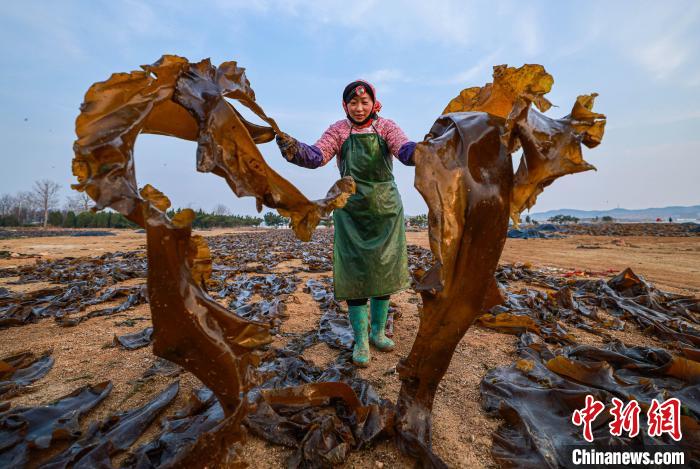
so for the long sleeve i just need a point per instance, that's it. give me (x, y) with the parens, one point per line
(406, 153)
(332, 140)
(307, 156)
(320, 153)
(399, 145)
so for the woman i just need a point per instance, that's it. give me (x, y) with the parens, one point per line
(369, 245)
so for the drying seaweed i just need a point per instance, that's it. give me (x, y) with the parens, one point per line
(670, 317)
(25, 308)
(34, 233)
(537, 396)
(102, 440)
(136, 340)
(467, 154)
(50, 435)
(534, 232)
(633, 229)
(177, 98)
(106, 269)
(62, 303)
(20, 370)
(162, 367)
(262, 254)
(334, 327)
(179, 433)
(80, 283)
(323, 421)
(271, 291)
(551, 305)
(134, 296)
(26, 431)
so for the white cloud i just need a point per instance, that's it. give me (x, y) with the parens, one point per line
(662, 56)
(446, 22)
(386, 76)
(527, 32)
(656, 119)
(481, 70)
(661, 37)
(43, 23)
(482, 67)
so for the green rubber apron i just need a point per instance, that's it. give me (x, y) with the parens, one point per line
(369, 245)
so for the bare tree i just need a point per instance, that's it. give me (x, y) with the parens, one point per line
(221, 210)
(25, 204)
(45, 195)
(79, 202)
(7, 204)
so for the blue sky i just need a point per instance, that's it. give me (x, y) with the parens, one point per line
(642, 57)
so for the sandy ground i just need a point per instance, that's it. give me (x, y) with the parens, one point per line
(55, 247)
(462, 432)
(673, 264)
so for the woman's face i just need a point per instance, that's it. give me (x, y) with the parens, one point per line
(360, 107)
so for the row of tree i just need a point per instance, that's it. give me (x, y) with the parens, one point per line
(36, 206)
(564, 219)
(417, 221)
(220, 219)
(40, 206)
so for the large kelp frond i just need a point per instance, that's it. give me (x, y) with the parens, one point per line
(551, 147)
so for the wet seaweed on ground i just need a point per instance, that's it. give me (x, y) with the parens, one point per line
(20, 370)
(135, 340)
(103, 440)
(537, 395)
(25, 432)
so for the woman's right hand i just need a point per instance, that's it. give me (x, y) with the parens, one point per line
(287, 145)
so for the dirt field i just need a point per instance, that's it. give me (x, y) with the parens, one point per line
(672, 264)
(462, 432)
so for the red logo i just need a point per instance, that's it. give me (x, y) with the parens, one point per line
(626, 418)
(587, 415)
(661, 418)
(665, 418)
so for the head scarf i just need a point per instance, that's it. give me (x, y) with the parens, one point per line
(358, 88)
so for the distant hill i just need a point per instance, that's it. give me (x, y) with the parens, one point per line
(678, 213)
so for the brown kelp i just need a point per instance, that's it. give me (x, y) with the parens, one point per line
(464, 173)
(188, 100)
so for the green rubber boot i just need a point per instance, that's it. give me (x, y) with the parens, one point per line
(380, 311)
(358, 319)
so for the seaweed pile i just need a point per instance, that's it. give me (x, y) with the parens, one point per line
(537, 395)
(50, 435)
(535, 232)
(296, 404)
(633, 229)
(78, 283)
(85, 282)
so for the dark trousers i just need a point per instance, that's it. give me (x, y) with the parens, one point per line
(362, 301)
